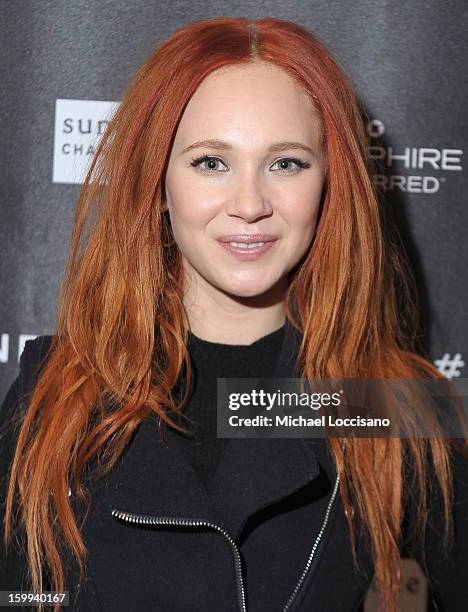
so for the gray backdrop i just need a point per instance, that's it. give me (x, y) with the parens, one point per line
(64, 64)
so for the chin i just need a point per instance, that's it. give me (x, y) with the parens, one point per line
(248, 289)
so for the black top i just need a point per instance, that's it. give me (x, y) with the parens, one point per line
(212, 360)
(275, 498)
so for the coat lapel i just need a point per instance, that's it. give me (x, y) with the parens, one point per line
(154, 476)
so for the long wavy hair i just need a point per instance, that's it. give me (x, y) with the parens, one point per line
(121, 331)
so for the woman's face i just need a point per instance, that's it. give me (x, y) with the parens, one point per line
(258, 121)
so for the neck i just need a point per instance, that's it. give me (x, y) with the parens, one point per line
(219, 317)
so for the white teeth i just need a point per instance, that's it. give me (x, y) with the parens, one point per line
(245, 245)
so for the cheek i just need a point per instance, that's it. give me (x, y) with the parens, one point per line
(190, 220)
(301, 204)
(189, 200)
(301, 220)
(301, 213)
(306, 217)
(188, 209)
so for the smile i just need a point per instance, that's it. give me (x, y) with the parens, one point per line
(245, 245)
(247, 251)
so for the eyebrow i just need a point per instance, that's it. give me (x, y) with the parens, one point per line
(214, 143)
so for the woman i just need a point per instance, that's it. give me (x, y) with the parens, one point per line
(232, 132)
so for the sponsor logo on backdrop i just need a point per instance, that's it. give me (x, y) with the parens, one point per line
(80, 123)
(410, 169)
(78, 126)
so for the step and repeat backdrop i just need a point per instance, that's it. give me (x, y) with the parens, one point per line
(63, 67)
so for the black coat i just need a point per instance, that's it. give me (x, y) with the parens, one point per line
(158, 540)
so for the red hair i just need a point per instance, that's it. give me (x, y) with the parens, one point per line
(121, 331)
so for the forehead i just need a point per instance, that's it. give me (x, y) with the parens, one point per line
(254, 101)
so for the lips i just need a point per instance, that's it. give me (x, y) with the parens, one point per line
(244, 252)
(248, 238)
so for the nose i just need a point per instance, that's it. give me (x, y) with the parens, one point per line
(250, 201)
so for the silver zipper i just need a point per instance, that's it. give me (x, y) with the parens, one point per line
(143, 519)
(163, 520)
(314, 548)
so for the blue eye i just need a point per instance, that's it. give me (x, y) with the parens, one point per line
(205, 158)
(198, 161)
(298, 162)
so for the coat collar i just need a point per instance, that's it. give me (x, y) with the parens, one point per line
(154, 476)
